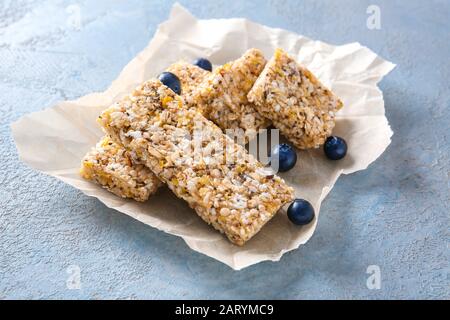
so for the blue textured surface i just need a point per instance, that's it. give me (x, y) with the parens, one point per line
(394, 215)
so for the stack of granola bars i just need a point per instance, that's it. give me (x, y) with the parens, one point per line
(155, 137)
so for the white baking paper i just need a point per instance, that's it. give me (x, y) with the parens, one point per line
(55, 140)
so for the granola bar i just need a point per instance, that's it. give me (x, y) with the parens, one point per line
(112, 167)
(294, 99)
(190, 77)
(235, 197)
(222, 97)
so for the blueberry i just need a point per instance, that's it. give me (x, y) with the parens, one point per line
(171, 80)
(335, 148)
(203, 63)
(286, 156)
(300, 212)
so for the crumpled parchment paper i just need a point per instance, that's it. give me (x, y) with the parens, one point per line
(55, 140)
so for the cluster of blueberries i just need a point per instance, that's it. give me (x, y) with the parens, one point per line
(300, 212)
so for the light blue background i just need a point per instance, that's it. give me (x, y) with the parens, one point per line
(394, 215)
